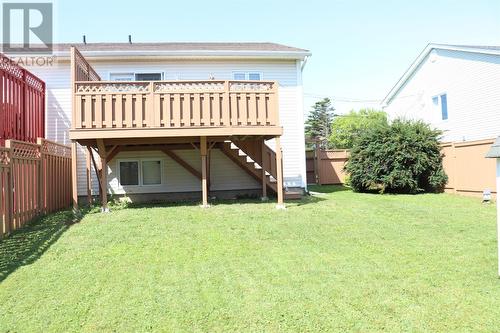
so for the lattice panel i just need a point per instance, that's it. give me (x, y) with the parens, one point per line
(34, 82)
(22, 150)
(10, 67)
(112, 87)
(84, 69)
(250, 86)
(189, 86)
(55, 149)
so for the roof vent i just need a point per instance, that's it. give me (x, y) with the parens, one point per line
(84, 39)
(130, 39)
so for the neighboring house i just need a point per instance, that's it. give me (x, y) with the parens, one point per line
(455, 88)
(173, 120)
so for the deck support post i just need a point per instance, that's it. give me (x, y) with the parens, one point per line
(89, 175)
(104, 175)
(264, 177)
(279, 172)
(74, 176)
(204, 181)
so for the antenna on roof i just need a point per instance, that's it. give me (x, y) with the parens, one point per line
(130, 39)
(84, 39)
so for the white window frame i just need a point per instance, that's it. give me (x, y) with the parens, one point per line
(123, 74)
(141, 177)
(247, 74)
(133, 74)
(118, 172)
(438, 106)
(140, 172)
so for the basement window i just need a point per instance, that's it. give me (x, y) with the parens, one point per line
(143, 172)
(129, 173)
(151, 172)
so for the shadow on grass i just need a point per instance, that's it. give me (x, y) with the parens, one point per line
(24, 246)
(115, 204)
(328, 188)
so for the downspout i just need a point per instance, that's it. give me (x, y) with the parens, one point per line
(300, 106)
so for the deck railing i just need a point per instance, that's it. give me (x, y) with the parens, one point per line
(174, 104)
(22, 103)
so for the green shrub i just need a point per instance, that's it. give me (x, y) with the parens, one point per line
(346, 128)
(403, 157)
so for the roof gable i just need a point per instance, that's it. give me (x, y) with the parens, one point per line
(495, 50)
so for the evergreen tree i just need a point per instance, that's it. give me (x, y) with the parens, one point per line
(319, 122)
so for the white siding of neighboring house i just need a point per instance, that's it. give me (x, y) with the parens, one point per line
(286, 72)
(472, 84)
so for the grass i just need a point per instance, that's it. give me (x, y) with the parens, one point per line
(337, 261)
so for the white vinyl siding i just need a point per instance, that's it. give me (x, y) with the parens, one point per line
(224, 174)
(470, 82)
(286, 72)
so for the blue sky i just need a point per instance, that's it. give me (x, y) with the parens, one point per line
(360, 48)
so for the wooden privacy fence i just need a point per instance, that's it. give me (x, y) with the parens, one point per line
(469, 172)
(22, 103)
(326, 166)
(35, 179)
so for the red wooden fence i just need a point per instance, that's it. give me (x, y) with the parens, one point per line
(22, 103)
(34, 179)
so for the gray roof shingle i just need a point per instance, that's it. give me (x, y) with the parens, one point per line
(180, 46)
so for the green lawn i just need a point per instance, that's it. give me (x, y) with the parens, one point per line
(335, 261)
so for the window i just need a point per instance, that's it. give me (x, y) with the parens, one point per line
(154, 76)
(148, 76)
(241, 76)
(441, 101)
(129, 173)
(121, 76)
(254, 76)
(151, 172)
(140, 173)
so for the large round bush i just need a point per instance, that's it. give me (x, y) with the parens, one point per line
(403, 157)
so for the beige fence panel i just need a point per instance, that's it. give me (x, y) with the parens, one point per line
(326, 166)
(34, 179)
(55, 180)
(469, 172)
(5, 192)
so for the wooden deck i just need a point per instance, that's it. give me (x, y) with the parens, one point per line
(110, 116)
(147, 109)
(105, 109)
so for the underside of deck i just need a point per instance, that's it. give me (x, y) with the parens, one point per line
(268, 132)
(250, 153)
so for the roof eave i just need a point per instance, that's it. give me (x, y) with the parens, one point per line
(298, 55)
